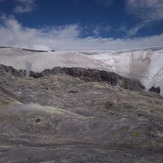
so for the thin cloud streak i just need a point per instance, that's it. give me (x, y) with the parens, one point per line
(132, 31)
(24, 6)
(147, 10)
(65, 38)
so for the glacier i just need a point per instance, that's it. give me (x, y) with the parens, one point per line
(146, 64)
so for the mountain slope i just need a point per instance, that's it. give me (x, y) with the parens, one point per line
(59, 117)
(146, 65)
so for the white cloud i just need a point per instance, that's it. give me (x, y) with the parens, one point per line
(24, 6)
(147, 10)
(12, 33)
(97, 30)
(132, 31)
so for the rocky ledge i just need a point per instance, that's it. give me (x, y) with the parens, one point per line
(89, 75)
(77, 115)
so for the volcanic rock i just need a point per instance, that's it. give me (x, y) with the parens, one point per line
(155, 89)
(89, 75)
(78, 115)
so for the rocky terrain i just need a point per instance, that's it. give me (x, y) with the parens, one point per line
(64, 115)
(145, 65)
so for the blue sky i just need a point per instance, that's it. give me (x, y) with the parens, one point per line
(81, 24)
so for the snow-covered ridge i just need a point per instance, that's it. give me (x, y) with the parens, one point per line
(145, 65)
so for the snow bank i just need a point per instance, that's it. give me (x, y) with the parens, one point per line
(145, 65)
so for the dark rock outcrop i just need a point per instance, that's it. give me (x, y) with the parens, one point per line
(10, 70)
(155, 89)
(93, 75)
(89, 75)
(37, 51)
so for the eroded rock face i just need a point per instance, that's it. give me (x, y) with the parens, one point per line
(89, 75)
(93, 75)
(155, 89)
(10, 70)
(65, 118)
